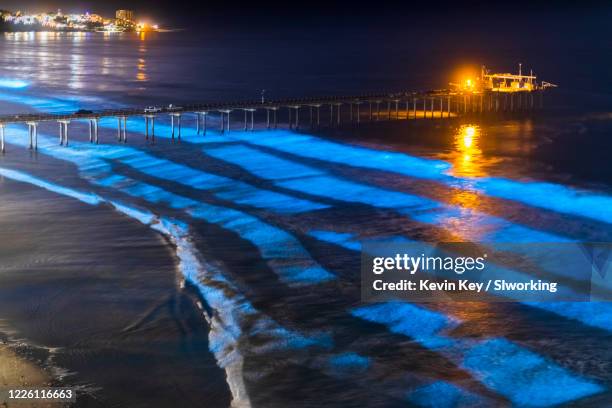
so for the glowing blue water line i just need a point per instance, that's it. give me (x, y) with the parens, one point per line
(524, 377)
(88, 198)
(469, 224)
(550, 196)
(222, 187)
(42, 104)
(13, 83)
(463, 221)
(442, 394)
(282, 251)
(594, 314)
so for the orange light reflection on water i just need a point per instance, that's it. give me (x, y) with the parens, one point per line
(468, 155)
(141, 75)
(468, 161)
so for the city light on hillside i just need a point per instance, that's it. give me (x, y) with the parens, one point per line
(59, 21)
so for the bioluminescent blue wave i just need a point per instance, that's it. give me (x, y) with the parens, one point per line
(233, 310)
(442, 394)
(282, 251)
(343, 239)
(223, 187)
(13, 83)
(320, 149)
(348, 363)
(550, 196)
(42, 104)
(522, 376)
(595, 314)
(528, 379)
(461, 221)
(88, 198)
(350, 241)
(464, 222)
(410, 320)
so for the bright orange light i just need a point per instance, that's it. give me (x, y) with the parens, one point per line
(468, 136)
(464, 75)
(468, 156)
(468, 141)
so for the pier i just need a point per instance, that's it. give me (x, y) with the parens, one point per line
(329, 111)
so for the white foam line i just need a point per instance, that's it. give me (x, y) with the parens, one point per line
(224, 323)
(87, 198)
(231, 310)
(224, 328)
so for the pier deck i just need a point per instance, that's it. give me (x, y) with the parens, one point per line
(430, 104)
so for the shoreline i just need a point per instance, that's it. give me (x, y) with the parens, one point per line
(17, 370)
(139, 316)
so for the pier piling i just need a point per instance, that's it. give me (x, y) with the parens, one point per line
(63, 128)
(95, 128)
(2, 147)
(125, 129)
(33, 135)
(119, 129)
(252, 111)
(177, 125)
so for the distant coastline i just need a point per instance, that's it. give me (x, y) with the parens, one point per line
(123, 21)
(29, 29)
(47, 30)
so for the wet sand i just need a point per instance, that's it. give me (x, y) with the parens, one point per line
(102, 292)
(16, 371)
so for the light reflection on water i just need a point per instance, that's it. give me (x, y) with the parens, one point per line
(468, 161)
(476, 149)
(65, 59)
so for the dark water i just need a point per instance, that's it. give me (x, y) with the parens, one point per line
(266, 227)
